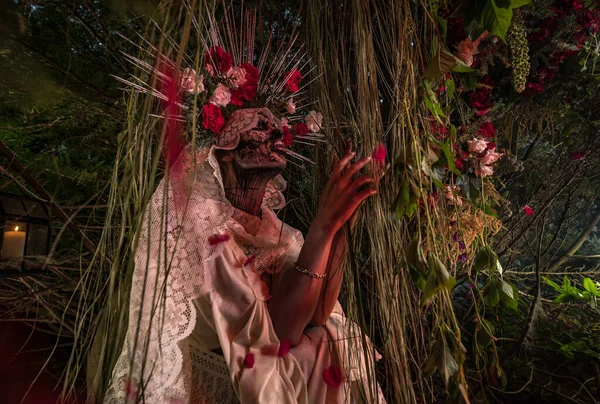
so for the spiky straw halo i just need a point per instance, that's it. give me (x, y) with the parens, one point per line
(232, 77)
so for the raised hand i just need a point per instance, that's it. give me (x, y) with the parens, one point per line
(343, 193)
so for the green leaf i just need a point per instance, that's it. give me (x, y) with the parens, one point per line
(491, 293)
(402, 200)
(441, 64)
(463, 69)
(553, 284)
(447, 150)
(484, 333)
(453, 131)
(496, 19)
(450, 89)
(590, 286)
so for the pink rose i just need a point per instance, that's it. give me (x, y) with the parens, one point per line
(290, 107)
(452, 195)
(476, 146)
(191, 82)
(467, 49)
(237, 75)
(490, 157)
(221, 96)
(484, 171)
(314, 121)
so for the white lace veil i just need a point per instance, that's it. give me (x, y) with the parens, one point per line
(187, 208)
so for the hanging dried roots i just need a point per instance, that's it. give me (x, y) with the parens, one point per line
(519, 50)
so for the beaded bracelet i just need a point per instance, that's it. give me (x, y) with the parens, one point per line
(305, 271)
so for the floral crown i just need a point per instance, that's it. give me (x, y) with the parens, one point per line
(222, 89)
(227, 82)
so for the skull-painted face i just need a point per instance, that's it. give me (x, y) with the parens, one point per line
(254, 137)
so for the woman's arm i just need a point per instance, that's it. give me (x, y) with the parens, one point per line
(330, 289)
(295, 295)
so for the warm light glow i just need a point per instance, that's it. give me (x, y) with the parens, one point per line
(16, 228)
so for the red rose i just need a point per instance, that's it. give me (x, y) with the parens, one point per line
(247, 91)
(251, 73)
(219, 59)
(300, 129)
(491, 145)
(287, 139)
(487, 130)
(212, 118)
(458, 163)
(533, 88)
(293, 83)
(480, 100)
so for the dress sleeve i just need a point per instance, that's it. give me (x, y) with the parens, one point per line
(239, 307)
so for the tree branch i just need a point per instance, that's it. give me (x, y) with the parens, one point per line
(577, 243)
(54, 207)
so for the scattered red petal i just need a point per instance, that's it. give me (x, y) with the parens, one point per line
(284, 347)
(577, 156)
(131, 389)
(379, 154)
(249, 361)
(270, 350)
(218, 238)
(528, 211)
(333, 376)
(250, 260)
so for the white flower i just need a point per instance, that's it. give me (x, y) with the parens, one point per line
(490, 157)
(221, 96)
(190, 82)
(484, 171)
(452, 195)
(314, 121)
(237, 75)
(291, 107)
(477, 145)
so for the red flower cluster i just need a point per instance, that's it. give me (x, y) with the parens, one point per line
(459, 156)
(218, 60)
(487, 130)
(300, 129)
(247, 91)
(212, 118)
(287, 139)
(480, 98)
(293, 83)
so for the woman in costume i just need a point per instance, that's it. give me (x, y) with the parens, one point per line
(229, 304)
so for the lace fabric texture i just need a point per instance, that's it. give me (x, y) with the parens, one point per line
(186, 209)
